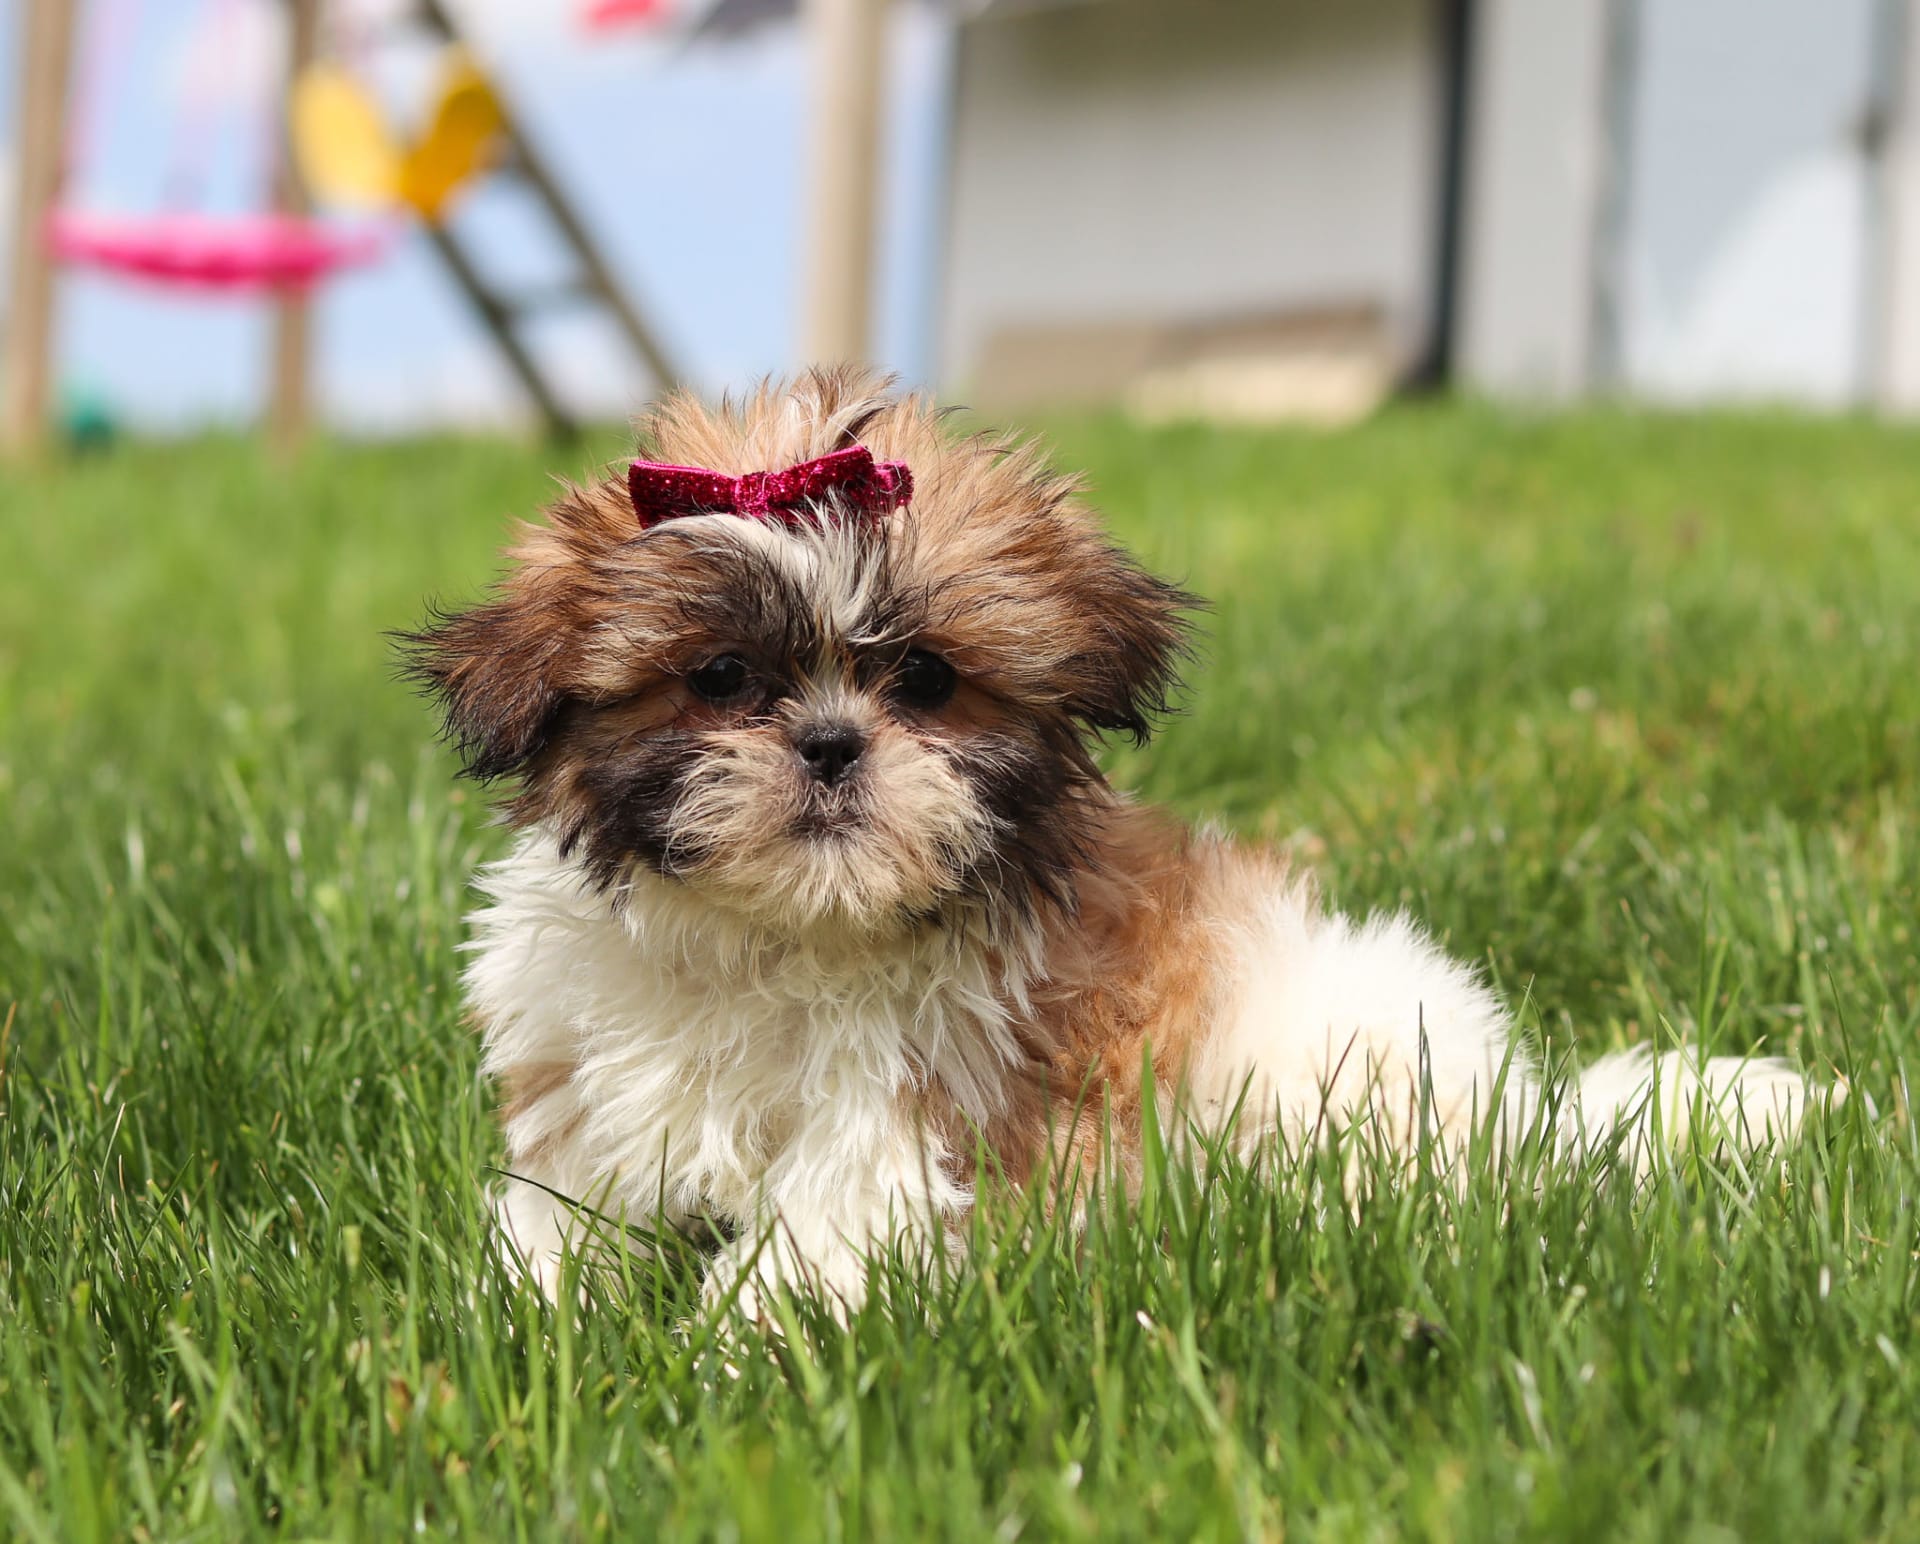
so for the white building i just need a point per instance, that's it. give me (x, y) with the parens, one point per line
(1694, 200)
(1141, 187)
(1689, 200)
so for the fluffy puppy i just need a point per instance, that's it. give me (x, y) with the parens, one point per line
(818, 887)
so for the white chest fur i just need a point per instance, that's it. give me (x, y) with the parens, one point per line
(688, 1060)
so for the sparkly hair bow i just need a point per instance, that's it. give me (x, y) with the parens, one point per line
(862, 485)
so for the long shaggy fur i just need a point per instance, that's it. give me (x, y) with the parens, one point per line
(715, 982)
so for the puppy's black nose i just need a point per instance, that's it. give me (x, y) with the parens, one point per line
(829, 750)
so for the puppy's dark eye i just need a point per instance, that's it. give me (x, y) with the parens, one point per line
(924, 680)
(723, 677)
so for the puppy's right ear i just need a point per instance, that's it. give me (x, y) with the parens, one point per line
(495, 673)
(503, 671)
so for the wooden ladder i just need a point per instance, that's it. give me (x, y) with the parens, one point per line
(504, 315)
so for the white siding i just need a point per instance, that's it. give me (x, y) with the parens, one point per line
(1746, 227)
(1897, 286)
(1534, 188)
(1146, 161)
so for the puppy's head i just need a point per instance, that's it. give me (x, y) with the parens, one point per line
(858, 721)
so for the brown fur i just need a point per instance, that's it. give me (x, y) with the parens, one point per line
(527, 1086)
(1131, 983)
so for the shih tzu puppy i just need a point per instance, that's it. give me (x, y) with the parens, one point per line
(819, 893)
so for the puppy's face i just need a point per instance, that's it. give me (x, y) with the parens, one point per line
(855, 721)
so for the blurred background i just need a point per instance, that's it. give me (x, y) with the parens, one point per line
(1233, 209)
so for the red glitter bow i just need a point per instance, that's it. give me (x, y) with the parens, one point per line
(864, 486)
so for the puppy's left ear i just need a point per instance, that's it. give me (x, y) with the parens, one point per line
(1141, 632)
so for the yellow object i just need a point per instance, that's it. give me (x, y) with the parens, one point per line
(345, 152)
(459, 141)
(348, 155)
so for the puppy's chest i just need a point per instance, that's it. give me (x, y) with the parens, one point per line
(696, 1052)
(706, 1035)
(718, 1081)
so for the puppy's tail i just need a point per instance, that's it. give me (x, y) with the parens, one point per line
(1654, 1105)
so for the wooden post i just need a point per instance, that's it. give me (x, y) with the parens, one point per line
(46, 52)
(847, 38)
(287, 410)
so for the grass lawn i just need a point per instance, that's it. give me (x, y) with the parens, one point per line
(1628, 708)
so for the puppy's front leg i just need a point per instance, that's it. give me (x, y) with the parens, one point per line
(538, 1223)
(752, 1267)
(557, 1197)
(828, 1249)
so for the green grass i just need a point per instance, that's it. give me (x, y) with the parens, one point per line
(1627, 708)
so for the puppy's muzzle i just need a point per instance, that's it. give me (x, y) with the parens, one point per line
(829, 751)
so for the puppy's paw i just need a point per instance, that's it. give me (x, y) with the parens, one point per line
(735, 1289)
